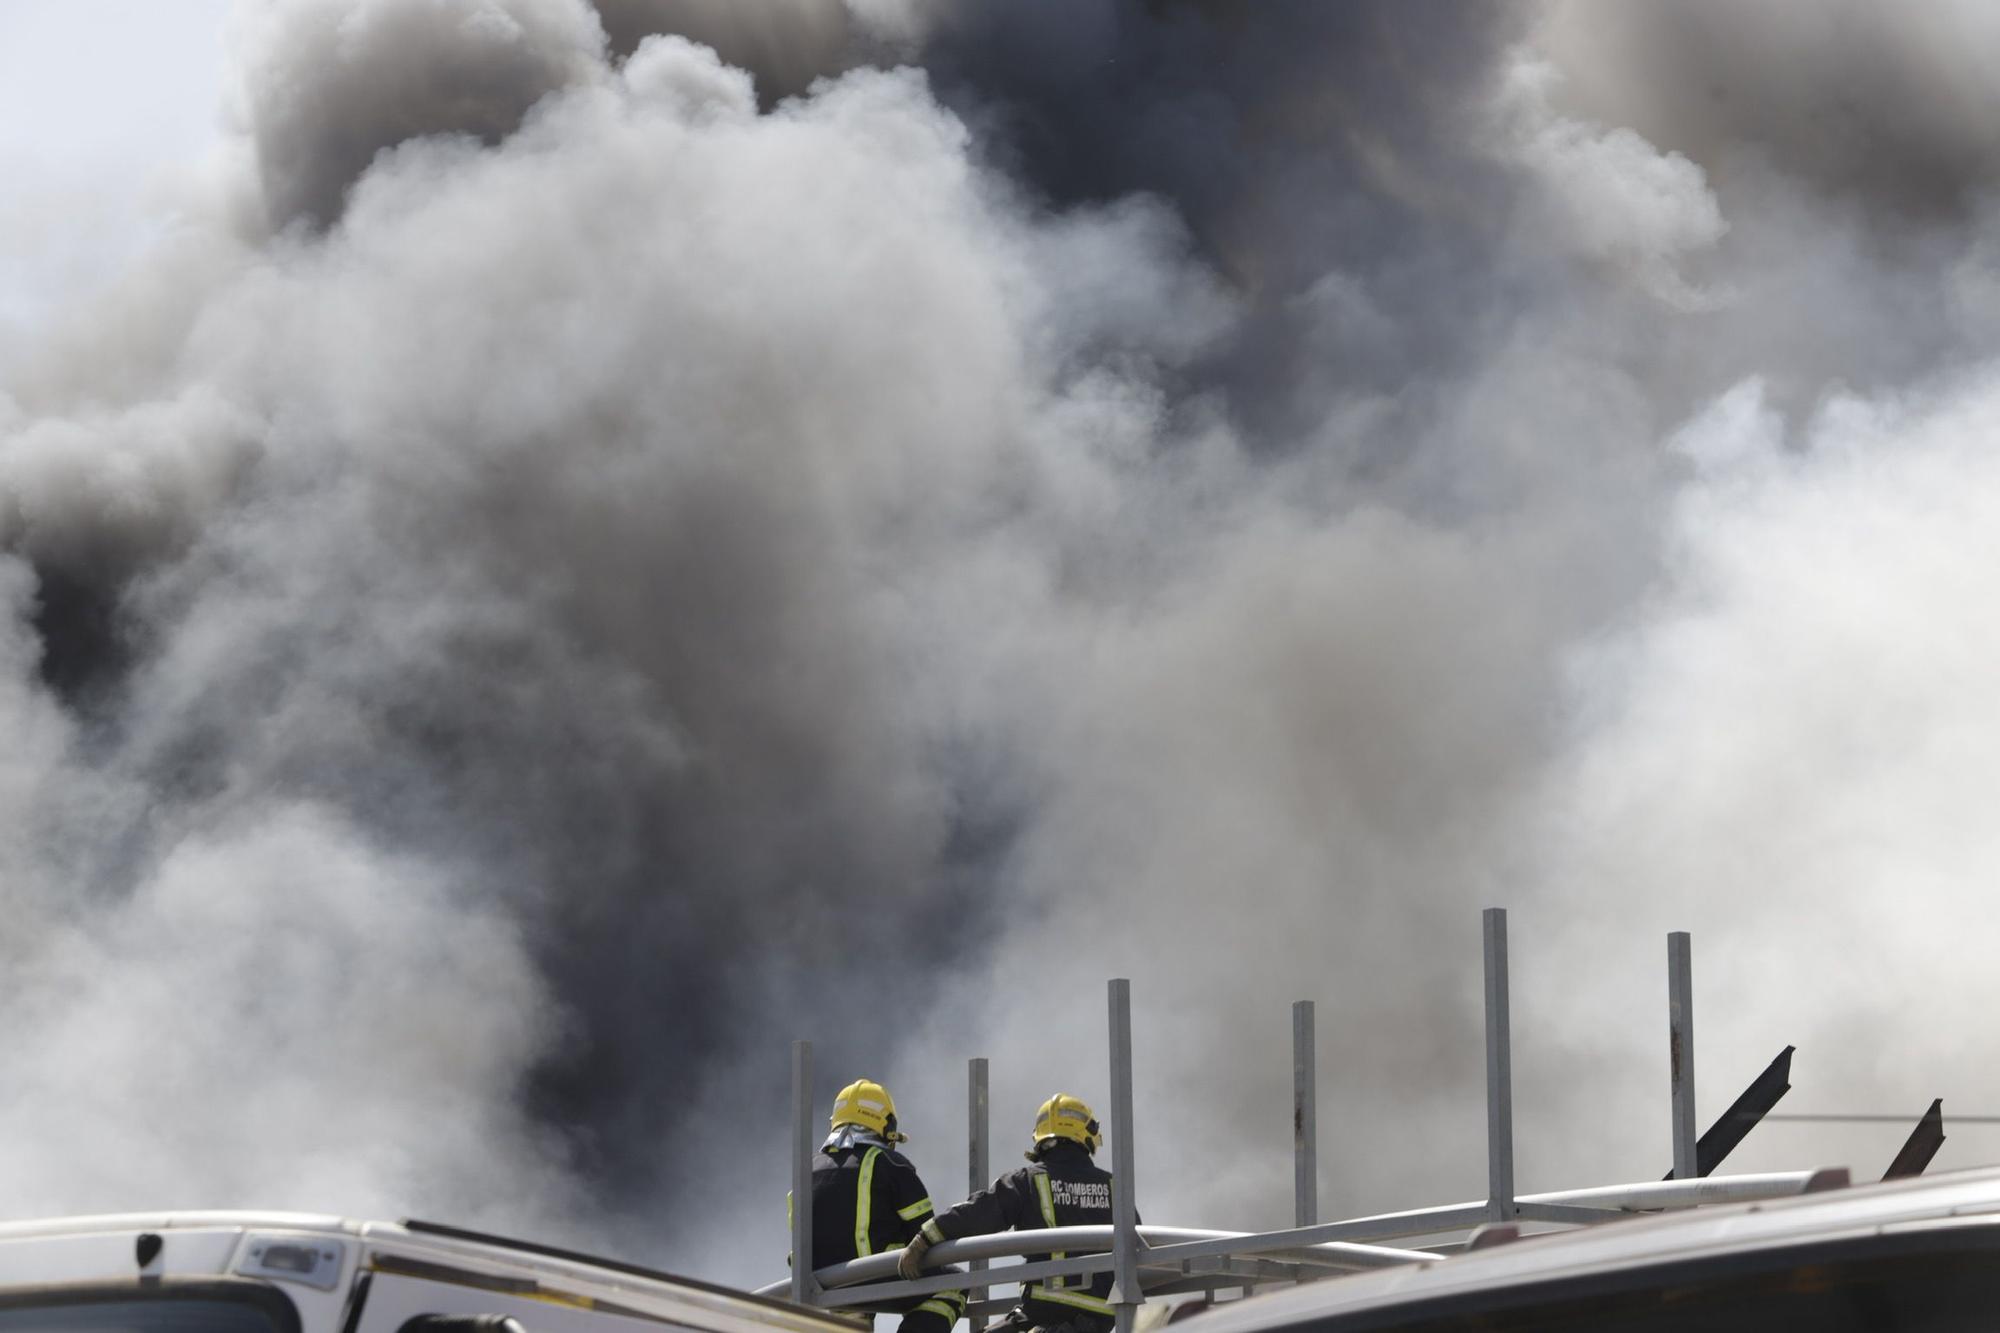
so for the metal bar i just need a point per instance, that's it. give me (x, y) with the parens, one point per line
(1879, 1119)
(1655, 1195)
(1680, 1053)
(992, 1305)
(1751, 1106)
(1641, 1196)
(1235, 1272)
(1125, 1292)
(842, 1292)
(1170, 1246)
(1242, 1285)
(1921, 1146)
(1340, 1257)
(1563, 1212)
(1305, 1117)
(1344, 1256)
(1418, 1222)
(865, 1293)
(978, 1163)
(804, 1289)
(1499, 1072)
(1095, 1240)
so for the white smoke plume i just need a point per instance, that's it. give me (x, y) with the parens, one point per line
(610, 538)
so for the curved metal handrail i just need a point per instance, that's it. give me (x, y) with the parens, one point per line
(1339, 1246)
(1085, 1240)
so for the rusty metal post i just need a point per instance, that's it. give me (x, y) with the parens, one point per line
(978, 1159)
(1499, 1072)
(1305, 1118)
(1125, 1291)
(804, 1290)
(1680, 1054)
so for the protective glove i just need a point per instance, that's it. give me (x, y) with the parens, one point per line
(912, 1263)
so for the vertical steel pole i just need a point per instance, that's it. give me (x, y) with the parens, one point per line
(1125, 1296)
(1305, 1118)
(804, 1290)
(1499, 1071)
(1680, 1053)
(978, 1157)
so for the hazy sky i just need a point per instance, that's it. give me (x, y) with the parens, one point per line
(102, 102)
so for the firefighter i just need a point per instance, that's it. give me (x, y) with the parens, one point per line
(868, 1198)
(1060, 1187)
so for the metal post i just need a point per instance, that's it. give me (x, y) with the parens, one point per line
(1305, 1118)
(978, 1159)
(804, 1290)
(1680, 1054)
(1125, 1295)
(1499, 1072)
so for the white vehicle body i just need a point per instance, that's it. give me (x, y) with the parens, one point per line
(1917, 1253)
(298, 1273)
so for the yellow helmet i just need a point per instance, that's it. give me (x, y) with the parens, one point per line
(868, 1104)
(1065, 1117)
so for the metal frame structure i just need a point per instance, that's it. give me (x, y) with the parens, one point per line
(1154, 1261)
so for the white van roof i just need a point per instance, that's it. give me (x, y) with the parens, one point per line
(1967, 1199)
(317, 1255)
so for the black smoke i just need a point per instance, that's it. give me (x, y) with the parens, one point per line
(679, 526)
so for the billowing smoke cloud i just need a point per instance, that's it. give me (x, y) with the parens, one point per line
(332, 84)
(784, 46)
(629, 554)
(1891, 112)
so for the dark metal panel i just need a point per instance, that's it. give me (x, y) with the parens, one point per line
(1752, 1105)
(1921, 1146)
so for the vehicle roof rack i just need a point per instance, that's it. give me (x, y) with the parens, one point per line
(1155, 1261)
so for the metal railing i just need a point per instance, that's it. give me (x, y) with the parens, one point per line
(1151, 1261)
(1182, 1259)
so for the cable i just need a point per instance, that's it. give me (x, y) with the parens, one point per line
(1889, 1119)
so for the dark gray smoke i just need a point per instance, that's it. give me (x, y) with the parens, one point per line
(784, 44)
(626, 554)
(1885, 112)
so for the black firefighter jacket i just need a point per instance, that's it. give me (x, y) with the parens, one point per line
(1065, 1188)
(865, 1199)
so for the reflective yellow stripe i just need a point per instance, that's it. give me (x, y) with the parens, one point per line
(934, 1231)
(915, 1210)
(1076, 1298)
(1049, 1213)
(864, 1203)
(1048, 1200)
(944, 1308)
